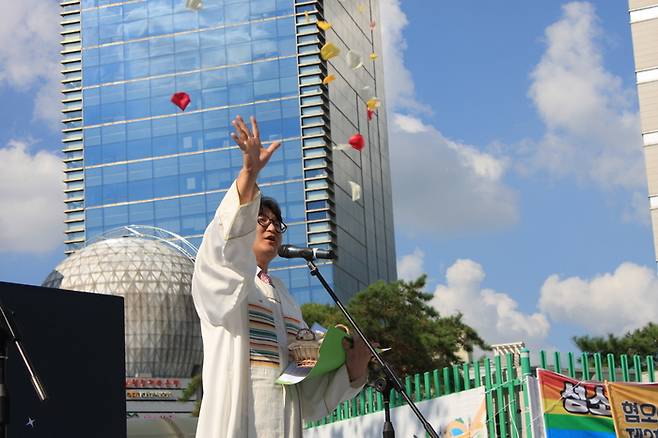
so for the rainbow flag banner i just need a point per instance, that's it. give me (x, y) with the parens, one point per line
(634, 408)
(574, 408)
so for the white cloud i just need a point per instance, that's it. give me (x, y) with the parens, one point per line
(29, 53)
(444, 188)
(410, 267)
(494, 315)
(408, 124)
(592, 128)
(400, 87)
(440, 187)
(31, 199)
(609, 303)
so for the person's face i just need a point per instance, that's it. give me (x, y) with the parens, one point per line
(268, 238)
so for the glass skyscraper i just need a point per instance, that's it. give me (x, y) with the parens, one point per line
(132, 157)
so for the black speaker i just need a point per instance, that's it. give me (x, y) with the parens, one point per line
(76, 343)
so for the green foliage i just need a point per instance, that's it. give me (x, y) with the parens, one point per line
(643, 341)
(192, 388)
(398, 315)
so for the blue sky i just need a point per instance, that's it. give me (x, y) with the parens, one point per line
(517, 168)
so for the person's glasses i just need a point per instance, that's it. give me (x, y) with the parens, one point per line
(265, 222)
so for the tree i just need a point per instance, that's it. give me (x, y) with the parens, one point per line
(398, 315)
(642, 341)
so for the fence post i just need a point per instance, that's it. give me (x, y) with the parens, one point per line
(525, 373)
(637, 365)
(572, 365)
(612, 369)
(446, 380)
(500, 397)
(598, 367)
(650, 370)
(584, 362)
(514, 428)
(456, 378)
(437, 386)
(624, 368)
(488, 387)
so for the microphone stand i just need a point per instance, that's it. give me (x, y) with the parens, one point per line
(8, 333)
(392, 379)
(382, 385)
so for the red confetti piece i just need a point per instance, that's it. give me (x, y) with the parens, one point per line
(357, 142)
(181, 100)
(371, 113)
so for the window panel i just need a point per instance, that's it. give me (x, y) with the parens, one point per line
(140, 180)
(141, 214)
(165, 182)
(114, 217)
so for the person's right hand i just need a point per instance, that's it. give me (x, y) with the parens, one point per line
(254, 155)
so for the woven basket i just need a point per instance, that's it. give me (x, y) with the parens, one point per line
(306, 349)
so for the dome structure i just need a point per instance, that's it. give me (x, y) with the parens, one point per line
(153, 272)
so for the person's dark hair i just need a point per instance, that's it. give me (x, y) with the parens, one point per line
(272, 205)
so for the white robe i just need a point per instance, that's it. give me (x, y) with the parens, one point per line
(246, 325)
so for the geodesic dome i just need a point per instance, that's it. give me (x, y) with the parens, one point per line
(163, 336)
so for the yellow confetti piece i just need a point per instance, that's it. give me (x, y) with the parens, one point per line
(308, 17)
(324, 25)
(373, 103)
(361, 8)
(328, 51)
(373, 56)
(328, 79)
(195, 5)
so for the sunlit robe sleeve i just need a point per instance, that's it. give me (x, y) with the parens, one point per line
(225, 264)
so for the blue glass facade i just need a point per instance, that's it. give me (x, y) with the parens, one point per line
(133, 157)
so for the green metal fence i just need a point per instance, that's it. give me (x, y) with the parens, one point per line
(506, 390)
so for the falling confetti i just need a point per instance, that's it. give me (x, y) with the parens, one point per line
(324, 25)
(366, 88)
(30, 422)
(357, 142)
(354, 60)
(356, 191)
(328, 79)
(373, 56)
(373, 103)
(371, 113)
(195, 5)
(361, 8)
(308, 17)
(341, 147)
(373, 25)
(181, 100)
(328, 51)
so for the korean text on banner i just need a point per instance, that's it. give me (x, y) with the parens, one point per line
(574, 408)
(634, 408)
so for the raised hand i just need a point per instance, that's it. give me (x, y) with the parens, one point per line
(254, 156)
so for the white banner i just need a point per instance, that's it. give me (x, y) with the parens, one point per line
(536, 413)
(460, 414)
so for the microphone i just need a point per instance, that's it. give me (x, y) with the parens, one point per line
(293, 252)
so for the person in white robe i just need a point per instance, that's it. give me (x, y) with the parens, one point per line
(248, 318)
